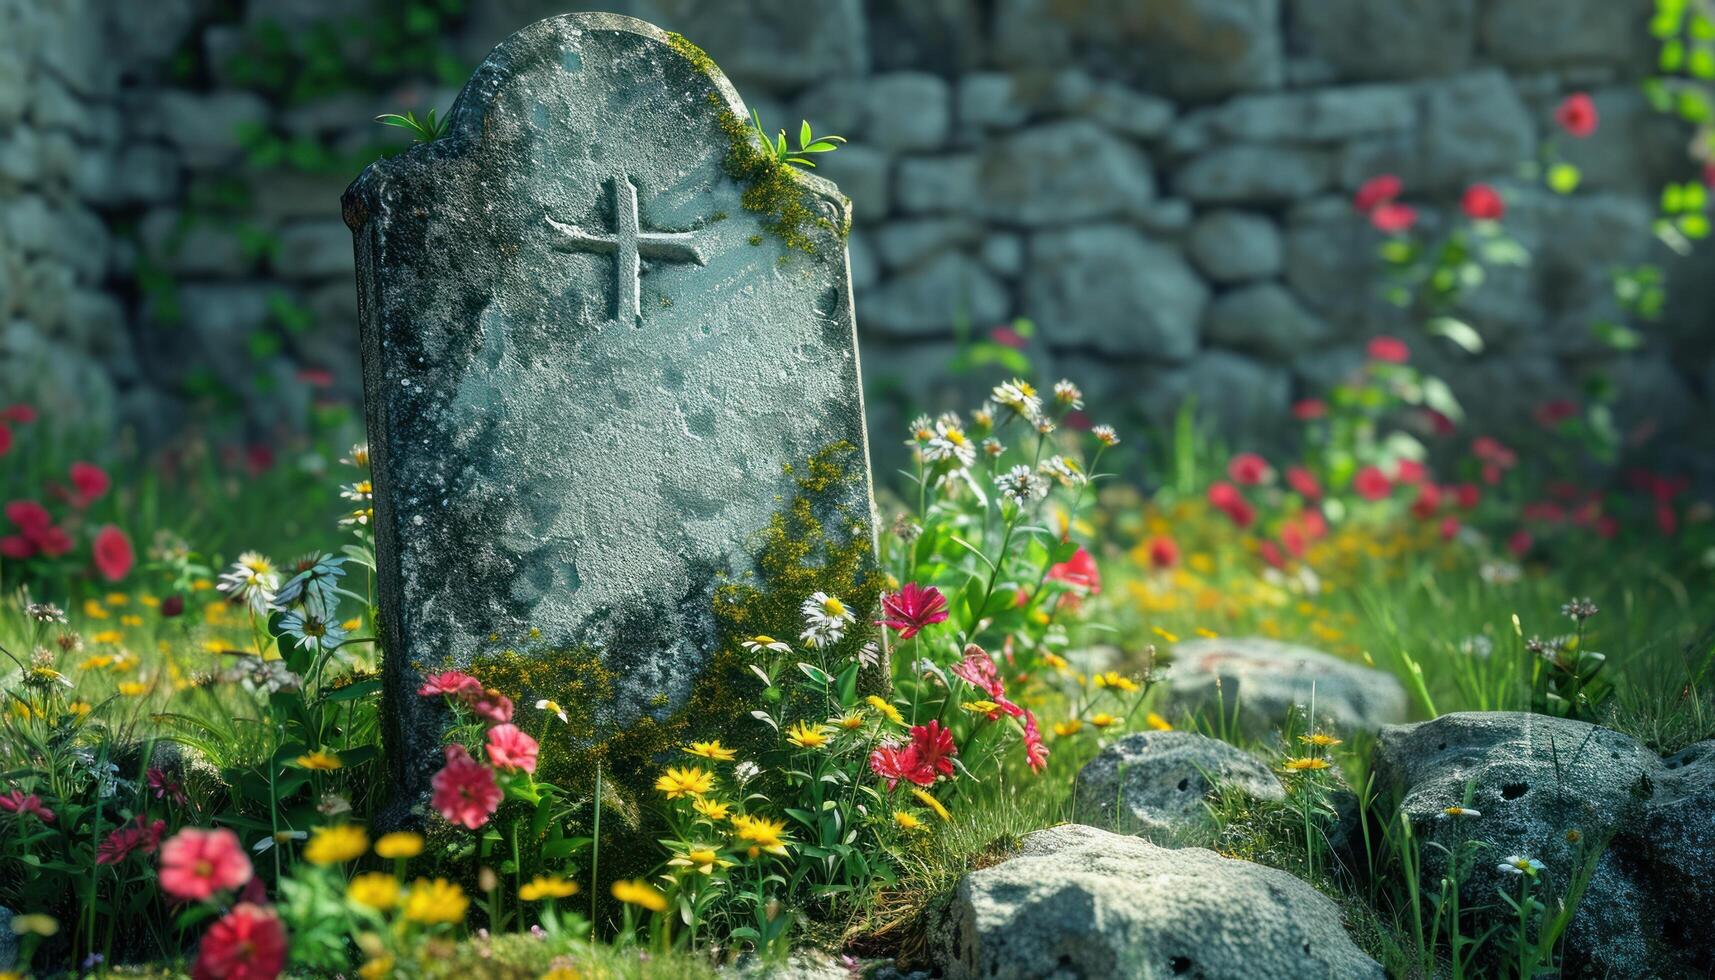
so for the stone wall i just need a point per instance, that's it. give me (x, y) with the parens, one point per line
(1161, 185)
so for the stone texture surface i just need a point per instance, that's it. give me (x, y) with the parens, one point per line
(1235, 246)
(564, 419)
(1259, 680)
(1156, 783)
(1069, 290)
(1534, 779)
(1082, 902)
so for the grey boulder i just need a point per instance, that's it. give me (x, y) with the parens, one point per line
(1157, 783)
(1258, 680)
(1079, 902)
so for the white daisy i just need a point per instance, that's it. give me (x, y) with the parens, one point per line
(1066, 471)
(1020, 485)
(824, 609)
(1068, 394)
(1106, 435)
(950, 443)
(822, 634)
(1516, 864)
(869, 655)
(253, 579)
(359, 456)
(360, 491)
(1018, 395)
(761, 642)
(922, 430)
(552, 707)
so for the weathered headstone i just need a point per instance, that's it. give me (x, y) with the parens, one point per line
(604, 334)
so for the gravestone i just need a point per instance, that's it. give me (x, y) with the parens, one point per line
(607, 343)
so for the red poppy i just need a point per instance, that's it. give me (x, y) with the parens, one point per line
(1427, 503)
(1391, 218)
(1372, 484)
(1079, 571)
(1520, 543)
(1467, 495)
(196, 863)
(1303, 482)
(1482, 203)
(465, 792)
(1409, 471)
(30, 517)
(90, 481)
(1376, 191)
(1389, 349)
(1163, 552)
(112, 553)
(1306, 409)
(1270, 553)
(5, 440)
(912, 608)
(1248, 469)
(1577, 115)
(247, 943)
(1449, 528)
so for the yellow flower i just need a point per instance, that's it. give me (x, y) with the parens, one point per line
(1207, 634)
(887, 710)
(131, 619)
(96, 662)
(435, 901)
(562, 973)
(1056, 661)
(149, 600)
(1166, 636)
(1300, 765)
(375, 889)
(1068, 728)
(118, 599)
(399, 844)
(319, 760)
(690, 781)
(762, 833)
(715, 810)
(1157, 722)
(335, 845)
(352, 625)
(547, 887)
(1116, 680)
(639, 893)
(980, 707)
(907, 821)
(712, 750)
(932, 804)
(37, 924)
(377, 968)
(108, 638)
(1320, 739)
(93, 609)
(1102, 719)
(703, 858)
(133, 689)
(804, 736)
(79, 708)
(850, 722)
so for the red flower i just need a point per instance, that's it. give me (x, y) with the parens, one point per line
(1427, 503)
(30, 517)
(90, 481)
(455, 683)
(1389, 349)
(1551, 413)
(17, 546)
(892, 763)
(979, 671)
(1007, 337)
(1577, 115)
(171, 606)
(1439, 423)
(1271, 553)
(113, 554)
(464, 791)
(933, 744)
(19, 413)
(315, 377)
(1666, 519)
(1313, 524)
(1163, 552)
(165, 787)
(1376, 191)
(1467, 495)
(509, 748)
(1248, 469)
(1226, 498)
(911, 609)
(5, 440)
(247, 943)
(1035, 753)
(17, 802)
(1520, 543)
(1409, 471)
(490, 704)
(140, 834)
(1483, 203)
(1304, 482)
(1292, 539)
(195, 864)
(1078, 571)
(55, 542)
(1372, 484)
(1391, 218)
(1449, 528)
(1309, 408)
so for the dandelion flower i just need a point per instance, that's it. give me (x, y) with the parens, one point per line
(437, 901)
(712, 750)
(908, 821)
(324, 761)
(714, 810)
(761, 833)
(1068, 728)
(641, 894)
(690, 781)
(933, 804)
(1304, 764)
(399, 844)
(1115, 680)
(1102, 719)
(374, 889)
(1320, 739)
(552, 886)
(336, 845)
(988, 708)
(886, 709)
(850, 722)
(806, 736)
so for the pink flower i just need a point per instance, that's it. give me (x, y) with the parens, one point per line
(1427, 503)
(465, 792)
(1376, 191)
(979, 671)
(247, 943)
(1391, 218)
(1372, 484)
(1248, 469)
(1035, 752)
(140, 834)
(195, 864)
(1304, 483)
(1007, 337)
(1467, 495)
(1409, 471)
(1078, 571)
(893, 763)
(1388, 349)
(20, 413)
(1292, 538)
(29, 517)
(112, 553)
(912, 608)
(1482, 203)
(1577, 115)
(165, 787)
(1520, 543)
(17, 802)
(1449, 528)
(90, 481)
(55, 542)
(490, 704)
(1163, 552)
(1306, 409)
(5, 439)
(1270, 553)
(933, 744)
(18, 547)
(315, 377)
(509, 748)
(454, 683)
(1226, 498)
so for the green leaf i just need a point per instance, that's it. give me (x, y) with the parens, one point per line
(1618, 336)
(1694, 225)
(804, 136)
(1702, 63)
(1458, 331)
(1437, 395)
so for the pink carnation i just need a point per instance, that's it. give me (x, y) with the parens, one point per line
(509, 748)
(464, 790)
(195, 864)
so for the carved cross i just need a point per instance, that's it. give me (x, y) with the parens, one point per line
(629, 244)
